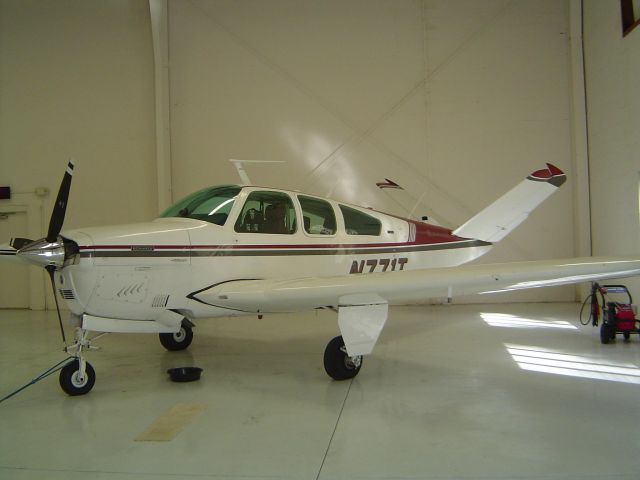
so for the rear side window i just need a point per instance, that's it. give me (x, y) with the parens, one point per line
(318, 217)
(267, 212)
(359, 223)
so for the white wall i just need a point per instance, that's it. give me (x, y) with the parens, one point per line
(613, 101)
(76, 80)
(457, 101)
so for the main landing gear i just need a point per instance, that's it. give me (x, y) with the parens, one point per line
(337, 362)
(179, 340)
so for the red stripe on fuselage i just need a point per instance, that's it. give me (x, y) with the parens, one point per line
(426, 234)
(270, 247)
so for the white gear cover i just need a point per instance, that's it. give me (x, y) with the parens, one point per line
(361, 319)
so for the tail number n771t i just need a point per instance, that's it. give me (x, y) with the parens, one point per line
(379, 265)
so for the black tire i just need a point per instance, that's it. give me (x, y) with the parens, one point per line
(337, 363)
(177, 341)
(607, 333)
(626, 335)
(69, 379)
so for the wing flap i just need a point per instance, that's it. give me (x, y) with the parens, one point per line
(412, 286)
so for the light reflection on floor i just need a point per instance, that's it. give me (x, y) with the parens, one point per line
(514, 321)
(558, 363)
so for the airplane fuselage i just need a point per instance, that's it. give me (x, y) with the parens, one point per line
(137, 271)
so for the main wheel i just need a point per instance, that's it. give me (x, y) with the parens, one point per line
(337, 363)
(607, 333)
(177, 341)
(71, 382)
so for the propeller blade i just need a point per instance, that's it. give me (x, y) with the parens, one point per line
(60, 207)
(51, 270)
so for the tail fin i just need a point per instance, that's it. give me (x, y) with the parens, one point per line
(497, 220)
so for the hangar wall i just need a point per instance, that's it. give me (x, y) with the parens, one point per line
(76, 80)
(456, 101)
(612, 79)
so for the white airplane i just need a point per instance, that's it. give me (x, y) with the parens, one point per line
(238, 250)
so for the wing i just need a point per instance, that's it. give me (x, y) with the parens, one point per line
(8, 250)
(300, 294)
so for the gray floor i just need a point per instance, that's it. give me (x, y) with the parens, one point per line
(509, 391)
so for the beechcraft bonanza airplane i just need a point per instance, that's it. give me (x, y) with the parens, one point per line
(238, 250)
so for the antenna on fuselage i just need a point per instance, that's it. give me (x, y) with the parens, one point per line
(389, 186)
(243, 173)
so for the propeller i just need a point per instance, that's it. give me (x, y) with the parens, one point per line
(52, 251)
(60, 207)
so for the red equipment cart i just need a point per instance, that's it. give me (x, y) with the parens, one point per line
(617, 317)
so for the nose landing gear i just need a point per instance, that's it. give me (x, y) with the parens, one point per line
(78, 376)
(75, 380)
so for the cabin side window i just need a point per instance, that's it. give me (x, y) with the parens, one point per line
(359, 223)
(318, 216)
(267, 212)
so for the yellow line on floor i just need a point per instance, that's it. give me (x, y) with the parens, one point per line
(166, 427)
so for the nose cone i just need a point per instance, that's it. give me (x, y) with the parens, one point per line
(43, 253)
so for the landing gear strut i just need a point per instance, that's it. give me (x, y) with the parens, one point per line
(78, 376)
(337, 362)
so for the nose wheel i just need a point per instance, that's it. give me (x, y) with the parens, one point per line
(337, 362)
(75, 380)
(78, 376)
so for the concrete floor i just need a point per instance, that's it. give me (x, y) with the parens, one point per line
(509, 391)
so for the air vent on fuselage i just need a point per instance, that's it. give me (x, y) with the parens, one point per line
(67, 294)
(160, 301)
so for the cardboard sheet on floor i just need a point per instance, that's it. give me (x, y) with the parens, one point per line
(167, 426)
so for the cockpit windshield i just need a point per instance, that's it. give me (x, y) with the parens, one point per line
(211, 204)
